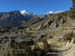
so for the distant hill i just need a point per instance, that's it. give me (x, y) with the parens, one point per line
(55, 21)
(13, 18)
(31, 21)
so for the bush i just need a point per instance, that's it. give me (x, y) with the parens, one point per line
(72, 13)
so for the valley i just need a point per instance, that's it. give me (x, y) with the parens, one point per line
(25, 34)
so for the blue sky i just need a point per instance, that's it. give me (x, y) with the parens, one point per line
(35, 6)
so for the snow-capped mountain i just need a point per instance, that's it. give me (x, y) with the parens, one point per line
(25, 13)
(51, 12)
(14, 18)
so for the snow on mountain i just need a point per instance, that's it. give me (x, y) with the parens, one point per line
(51, 12)
(25, 12)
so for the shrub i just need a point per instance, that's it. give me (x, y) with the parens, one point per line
(72, 13)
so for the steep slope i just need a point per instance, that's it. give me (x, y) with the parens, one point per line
(13, 18)
(33, 21)
(54, 22)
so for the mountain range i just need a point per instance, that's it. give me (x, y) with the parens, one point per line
(20, 18)
(13, 18)
(52, 34)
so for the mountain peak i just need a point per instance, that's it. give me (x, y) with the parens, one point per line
(25, 12)
(51, 12)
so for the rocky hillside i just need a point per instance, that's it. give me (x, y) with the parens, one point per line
(33, 21)
(13, 18)
(45, 36)
(54, 22)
